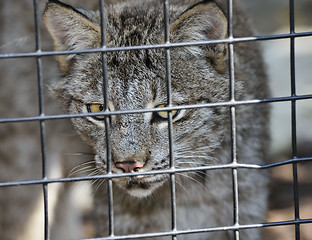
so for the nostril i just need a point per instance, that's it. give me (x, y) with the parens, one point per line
(129, 166)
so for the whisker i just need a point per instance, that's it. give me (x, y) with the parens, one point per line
(80, 171)
(181, 186)
(85, 163)
(99, 183)
(182, 163)
(192, 149)
(197, 160)
(82, 168)
(194, 156)
(94, 172)
(94, 182)
(193, 179)
(79, 154)
(201, 175)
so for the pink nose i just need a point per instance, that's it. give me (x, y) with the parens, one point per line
(129, 166)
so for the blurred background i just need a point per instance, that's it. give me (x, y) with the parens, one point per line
(272, 17)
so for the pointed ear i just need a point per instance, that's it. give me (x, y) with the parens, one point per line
(204, 21)
(70, 30)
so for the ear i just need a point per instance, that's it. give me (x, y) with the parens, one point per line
(204, 21)
(70, 30)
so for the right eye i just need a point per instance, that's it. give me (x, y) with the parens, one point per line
(96, 108)
(164, 114)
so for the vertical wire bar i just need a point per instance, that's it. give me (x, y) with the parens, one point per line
(293, 116)
(107, 125)
(170, 126)
(42, 123)
(233, 120)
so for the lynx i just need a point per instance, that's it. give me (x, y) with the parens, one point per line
(139, 142)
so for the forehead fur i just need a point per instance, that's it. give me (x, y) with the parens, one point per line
(136, 71)
(131, 26)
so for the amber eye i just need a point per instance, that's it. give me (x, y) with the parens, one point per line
(96, 108)
(164, 114)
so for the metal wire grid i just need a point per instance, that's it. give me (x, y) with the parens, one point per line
(232, 103)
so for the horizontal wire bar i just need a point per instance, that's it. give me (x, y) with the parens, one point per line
(146, 110)
(205, 230)
(156, 172)
(155, 46)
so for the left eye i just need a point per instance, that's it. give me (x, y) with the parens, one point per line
(96, 108)
(164, 114)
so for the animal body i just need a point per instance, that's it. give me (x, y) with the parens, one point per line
(139, 142)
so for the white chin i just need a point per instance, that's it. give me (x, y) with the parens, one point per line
(140, 193)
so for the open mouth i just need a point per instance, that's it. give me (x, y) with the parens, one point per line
(135, 184)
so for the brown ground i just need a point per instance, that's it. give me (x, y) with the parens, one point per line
(282, 203)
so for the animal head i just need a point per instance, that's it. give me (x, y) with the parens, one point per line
(136, 79)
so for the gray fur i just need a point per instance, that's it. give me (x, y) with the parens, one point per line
(202, 137)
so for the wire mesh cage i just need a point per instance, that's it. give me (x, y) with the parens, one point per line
(28, 121)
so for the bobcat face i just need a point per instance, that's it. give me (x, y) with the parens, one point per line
(139, 142)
